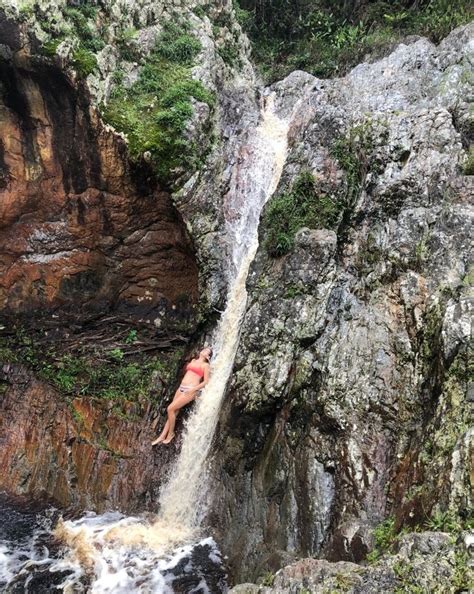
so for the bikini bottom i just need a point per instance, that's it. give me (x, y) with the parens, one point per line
(183, 389)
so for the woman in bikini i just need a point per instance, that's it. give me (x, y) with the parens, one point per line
(194, 380)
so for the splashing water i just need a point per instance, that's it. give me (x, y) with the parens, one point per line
(119, 554)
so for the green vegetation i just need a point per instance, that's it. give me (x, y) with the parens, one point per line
(79, 19)
(293, 290)
(408, 576)
(327, 38)
(267, 579)
(385, 536)
(126, 43)
(84, 62)
(444, 521)
(26, 11)
(78, 25)
(447, 521)
(462, 579)
(131, 336)
(304, 206)
(154, 111)
(49, 48)
(230, 54)
(301, 206)
(98, 373)
(469, 164)
(352, 151)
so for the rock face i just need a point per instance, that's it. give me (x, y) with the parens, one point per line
(124, 40)
(79, 454)
(349, 400)
(85, 232)
(425, 562)
(79, 227)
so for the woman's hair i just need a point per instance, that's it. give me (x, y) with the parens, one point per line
(210, 351)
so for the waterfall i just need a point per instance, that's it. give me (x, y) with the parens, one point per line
(252, 183)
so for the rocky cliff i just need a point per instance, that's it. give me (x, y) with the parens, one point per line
(350, 395)
(349, 403)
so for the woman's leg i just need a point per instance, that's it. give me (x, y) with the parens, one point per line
(164, 433)
(173, 409)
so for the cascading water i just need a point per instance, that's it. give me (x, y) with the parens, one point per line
(127, 554)
(252, 183)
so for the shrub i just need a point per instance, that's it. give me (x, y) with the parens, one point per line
(230, 54)
(84, 62)
(126, 44)
(302, 206)
(352, 151)
(79, 18)
(176, 45)
(50, 47)
(267, 579)
(327, 38)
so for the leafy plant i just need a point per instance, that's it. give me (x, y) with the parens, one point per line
(79, 17)
(302, 206)
(384, 537)
(444, 521)
(352, 151)
(268, 579)
(49, 48)
(116, 354)
(131, 337)
(176, 45)
(126, 44)
(84, 62)
(153, 112)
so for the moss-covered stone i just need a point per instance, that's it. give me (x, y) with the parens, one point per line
(153, 113)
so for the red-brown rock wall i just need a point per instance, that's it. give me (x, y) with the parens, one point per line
(78, 226)
(78, 454)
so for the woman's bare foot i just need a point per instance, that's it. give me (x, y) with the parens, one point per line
(159, 439)
(168, 439)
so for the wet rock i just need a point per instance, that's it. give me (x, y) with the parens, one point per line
(354, 347)
(427, 561)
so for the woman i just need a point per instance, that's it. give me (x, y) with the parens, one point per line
(194, 380)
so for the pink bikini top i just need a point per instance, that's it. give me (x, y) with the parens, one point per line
(197, 370)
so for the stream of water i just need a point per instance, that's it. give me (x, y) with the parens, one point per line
(111, 553)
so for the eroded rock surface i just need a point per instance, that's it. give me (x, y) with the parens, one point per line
(78, 454)
(429, 562)
(349, 400)
(78, 226)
